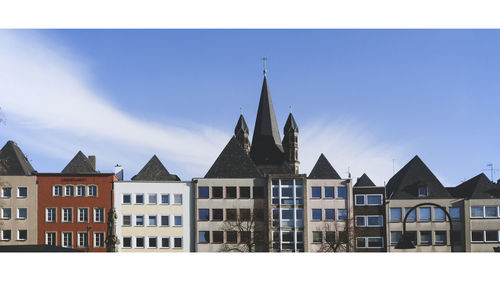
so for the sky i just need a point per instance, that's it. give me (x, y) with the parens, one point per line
(370, 100)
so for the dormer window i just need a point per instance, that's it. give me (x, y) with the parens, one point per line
(422, 191)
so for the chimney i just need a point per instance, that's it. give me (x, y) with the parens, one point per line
(119, 172)
(92, 161)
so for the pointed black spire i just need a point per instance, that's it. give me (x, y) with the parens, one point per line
(13, 162)
(364, 180)
(266, 142)
(80, 164)
(241, 133)
(241, 126)
(291, 144)
(155, 171)
(323, 169)
(290, 124)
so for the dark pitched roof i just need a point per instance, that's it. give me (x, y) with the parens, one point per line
(405, 183)
(154, 171)
(290, 124)
(13, 162)
(233, 162)
(241, 125)
(478, 187)
(323, 169)
(266, 145)
(80, 164)
(364, 180)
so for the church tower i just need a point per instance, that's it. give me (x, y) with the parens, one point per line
(290, 144)
(241, 133)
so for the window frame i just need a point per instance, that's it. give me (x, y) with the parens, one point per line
(143, 221)
(330, 219)
(439, 243)
(18, 213)
(161, 220)
(175, 221)
(95, 235)
(356, 196)
(19, 235)
(67, 188)
(155, 220)
(3, 217)
(4, 231)
(47, 233)
(346, 214)
(204, 236)
(47, 214)
(166, 195)
(249, 192)
(141, 195)
(182, 242)
(156, 242)
(161, 242)
(217, 232)
(320, 192)
(4, 188)
(63, 215)
(130, 199)
(89, 190)
(207, 215)
(96, 212)
(175, 196)
(421, 243)
(420, 214)
(199, 193)
(57, 190)
(78, 187)
(318, 211)
(130, 220)
(131, 242)
(79, 234)
(227, 188)
(143, 242)
(155, 199)
(19, 192)
(367, 242)
(70, 245)
(390, 237)
(339, 188)
(333, 192)
(79, 214)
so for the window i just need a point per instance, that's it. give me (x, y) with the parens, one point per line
(359, 200)
(22, 235)
(203, 214)
(6, 213)
(177, 220)
(6, 192)
(165, 242)
(231, 237)
(127, 220)
(139, 242)
(178, 242)
(127, 242)
(424, 214)
(98, 214)
(139, 220)
(422, 191)
(258, 192)
(440, 238)
(204, 237)
(425, 238)
(374, 199)
(439, 214)
(98, 239)
(316, 192)
(317, 237)
(230, 192)
(203, 192)
(330, 236)
(165, 199)
(491, 235)
(287, 192)
(22, 192)
(152, 221)
(50, 215)
(330, 214)
(454, 213)
(70, 190)
(477, 236)
(22, 213)
(360, 221)
(82, 239)
(80, 190)
(6, 235)
(395, 237)
(490, 212)
(67, 214)
(329, 192)
(139, 199)
(152, 242)
(83, 215)
(217, 192)
(152, 198)
(412, 217)
(341, 192)
(288, 236)
(67, 239)
(245, 214)
(57, 190)
(316, 214)
(165, 220)
(485, 236)
(177, 199)
(476, 212)
(92, 190)
(217, 214)
(342, 214)
(375, 242)
(360, 242)
(244, 192)
(218, 237)
(375, 220)
(50, 238)
(231, 214)
(127, 199)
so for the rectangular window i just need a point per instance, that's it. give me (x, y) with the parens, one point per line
(6, 192)
(93, 190)
(491, 235)
(230, 192)
(178, 242)
(395, 237)
(177, 220)
(177, 199)
(203, 237)
(477, 236)
(395, 214)
(203, 214)
(244, 192)
(98, 214)
(360, 242)
(57, 190)
(440, 238)
(245, 215)
(425, 238)
(127, 242)
(316, 192)
(490, 212)
(439, 214)
(317, 237)
(165, 242)
(330, 236)
(359, 200)
(80, 190)
(231, 237)
(22, 213)
(82, 239)
(218, 237)
(22, 235)
(139, 242)
(152, 242)
(50, 214)
(127, 199)
(454, 213)
(217, 214)
(360, 221)
(375, 242)
(165, 199)
(258, 192)
(231, 214)
(329, 192)
(217, 192)
(342, 214)
(424, 214)
(70, 190)
(203, 192)
(83, 215)
(330, 214)
(287, 192)
(152, 220)
(422, 191)
(67, 214)
(476, 212)
(341, 192)
(412, 217)
(316, 214)
(139, 220)
(127, 220)
(50, 238)
(6, 213)
(165, 220)
(139, 199)
(98, 239)
(22, 192)
(375, 221)
(152, 198)
(374, 199)
(6, 235)
(67, 239)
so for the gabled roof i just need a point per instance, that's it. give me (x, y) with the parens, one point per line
(233, 162)
(478, 187)
(154, 171)
(364, 180)
(241, 125)
(405, 183)
(266, 145)
(290, 124)
(323, 169)
(13, 162)
(80, 164)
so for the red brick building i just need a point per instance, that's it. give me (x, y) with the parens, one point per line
(73, 205)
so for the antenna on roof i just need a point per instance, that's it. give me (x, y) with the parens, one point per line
(264, 59)
(349, 172)
(490, 169)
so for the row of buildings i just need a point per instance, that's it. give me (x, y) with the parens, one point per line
(253, 198)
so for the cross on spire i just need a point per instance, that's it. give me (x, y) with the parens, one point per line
(264, 60)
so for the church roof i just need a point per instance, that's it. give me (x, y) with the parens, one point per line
(13, 162)
(266, 145)
(233, 162)
(241, 125)
(364, 180)
(323, 169)
(80, 164)
(154, 171)
(405, 183)
(478, 187)
(290, 124)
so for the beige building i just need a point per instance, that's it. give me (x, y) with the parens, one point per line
(18, 198)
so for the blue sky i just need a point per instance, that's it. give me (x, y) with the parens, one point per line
(362, 97)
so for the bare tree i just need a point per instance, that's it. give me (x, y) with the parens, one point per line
(248, 231)
(338, 236)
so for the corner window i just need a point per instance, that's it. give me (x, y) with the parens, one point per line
(316, 192)
(341, 192)
(165, 199)
(217, 192)
(329, 192)
(22, 192)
